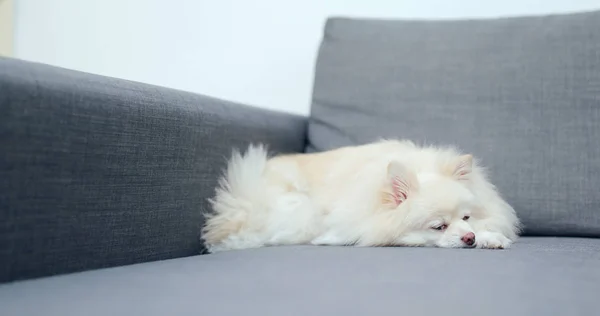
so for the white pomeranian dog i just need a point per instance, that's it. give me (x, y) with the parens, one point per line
(388, 193)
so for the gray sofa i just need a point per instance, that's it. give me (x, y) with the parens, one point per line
(103, 181)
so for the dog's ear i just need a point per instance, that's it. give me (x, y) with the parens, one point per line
(463, 167)
(401, 182)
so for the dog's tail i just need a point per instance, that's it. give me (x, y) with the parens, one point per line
(239, 193)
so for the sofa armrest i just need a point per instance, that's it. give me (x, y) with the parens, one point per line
(98, 172)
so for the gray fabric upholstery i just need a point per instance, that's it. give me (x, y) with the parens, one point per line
(98, 172)
(522, 94)
(539, 276)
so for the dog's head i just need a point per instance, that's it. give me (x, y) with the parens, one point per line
(436, 208)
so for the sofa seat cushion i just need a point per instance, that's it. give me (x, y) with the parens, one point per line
(538, 276)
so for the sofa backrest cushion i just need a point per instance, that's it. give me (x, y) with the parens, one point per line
(520, 93)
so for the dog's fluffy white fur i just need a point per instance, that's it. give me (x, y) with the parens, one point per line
(381, 194)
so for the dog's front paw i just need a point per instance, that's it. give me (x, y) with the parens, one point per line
(492, 240)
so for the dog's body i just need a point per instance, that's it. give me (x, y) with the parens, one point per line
(380, 194)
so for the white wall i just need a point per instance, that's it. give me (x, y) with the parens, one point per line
(259, 52)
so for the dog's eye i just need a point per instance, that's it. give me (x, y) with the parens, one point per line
(441, 227)
(466, 218)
